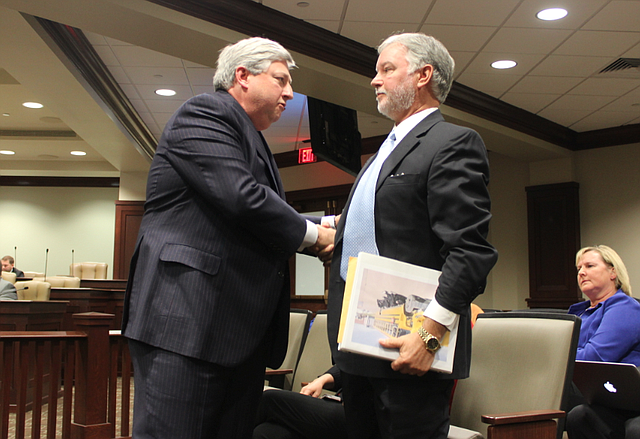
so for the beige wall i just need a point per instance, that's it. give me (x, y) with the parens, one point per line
(59, 219)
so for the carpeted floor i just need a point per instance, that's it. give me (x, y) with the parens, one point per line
(44, 419)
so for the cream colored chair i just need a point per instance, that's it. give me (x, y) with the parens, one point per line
(89, 270)
(33, 290)
(9, 277)
(33, 274)
(299, 320)
(60, 281)
(521, 372)
(316, 354)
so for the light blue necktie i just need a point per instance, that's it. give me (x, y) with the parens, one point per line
(360, 228)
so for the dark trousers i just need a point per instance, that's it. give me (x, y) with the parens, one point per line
(179, 397)
(377, 408)
(289, 415)
(597, 422)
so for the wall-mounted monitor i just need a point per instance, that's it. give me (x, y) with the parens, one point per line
(334, 134)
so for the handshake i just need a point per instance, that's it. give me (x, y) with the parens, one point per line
(323, 248)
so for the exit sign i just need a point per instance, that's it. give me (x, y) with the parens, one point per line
(306, 155)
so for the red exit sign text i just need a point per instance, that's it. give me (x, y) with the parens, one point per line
(306, 155)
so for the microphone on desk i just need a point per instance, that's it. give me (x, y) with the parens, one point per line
(46, 260)
(15, 254)
(72, 262)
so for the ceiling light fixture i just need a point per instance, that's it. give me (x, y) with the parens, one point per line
(78, 153)
(302, 4)
(7, 152)
(552, 14)
(6, 114)
(32, 105)
(165, 92)
(504, 64)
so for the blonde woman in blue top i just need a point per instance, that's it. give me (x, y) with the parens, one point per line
(610, 332)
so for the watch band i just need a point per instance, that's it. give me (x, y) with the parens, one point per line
(431, 342)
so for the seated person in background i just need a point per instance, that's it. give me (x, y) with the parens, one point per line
(306, 415)
(7, 291)
(610, 332)
(8, 265)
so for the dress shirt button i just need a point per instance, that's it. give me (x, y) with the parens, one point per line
(281, 274)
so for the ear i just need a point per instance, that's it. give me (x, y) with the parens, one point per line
(242, 76)
(425, 75)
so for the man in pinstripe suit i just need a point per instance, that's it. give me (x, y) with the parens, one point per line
(207, 304)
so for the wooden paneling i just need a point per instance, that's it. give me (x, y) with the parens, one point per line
(128, 219)
(554, 238)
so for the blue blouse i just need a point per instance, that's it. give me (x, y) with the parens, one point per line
(610, 331)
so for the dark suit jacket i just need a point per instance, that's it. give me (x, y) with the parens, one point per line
(209, 276)
(432, 209)
(19, 273)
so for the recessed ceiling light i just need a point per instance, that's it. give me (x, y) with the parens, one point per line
(165, 92)
(6, 114)
(302, 4)
(78, 153)
(503, 64)
(552, 14)
(7, 152)
(32, 105)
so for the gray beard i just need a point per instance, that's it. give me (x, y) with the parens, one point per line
(398, 100)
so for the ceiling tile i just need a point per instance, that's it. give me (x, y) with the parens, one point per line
(550, 84)
(163, 106)
(372, 34)
(605, 87)
(157, 75)
(460, 38)
(579, 11)
(494, 85)
(532, 102)
(617, 16)
(330, 25)
(602, 119)
(564, 117)
(599, 43)
(576, 66)
(317, 9)
(201, 76)
(471, 12)
(398, 11)
(134, 56)
(107, 56)
(580, 102)
(526, 40)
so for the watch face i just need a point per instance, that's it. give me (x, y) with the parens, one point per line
(433, 344)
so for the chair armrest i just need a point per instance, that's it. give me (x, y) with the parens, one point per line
(518, 417)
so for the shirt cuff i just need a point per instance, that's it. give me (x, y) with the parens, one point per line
(329, 220)
(437, 312)
(310, 237)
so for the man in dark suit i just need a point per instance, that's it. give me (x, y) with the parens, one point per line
(426, 204)
(207, 303)
(8, 265)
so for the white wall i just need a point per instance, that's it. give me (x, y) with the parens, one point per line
(60, 219)
(610, 202)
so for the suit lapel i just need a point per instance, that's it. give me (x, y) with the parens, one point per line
(274, 176)
(408, 143)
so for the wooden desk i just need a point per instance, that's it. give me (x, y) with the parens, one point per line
(88, 300)
(104, 284)
(29, 315)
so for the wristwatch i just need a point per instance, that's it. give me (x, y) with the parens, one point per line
(431, 342)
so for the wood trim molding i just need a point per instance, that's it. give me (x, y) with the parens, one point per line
(8, 180)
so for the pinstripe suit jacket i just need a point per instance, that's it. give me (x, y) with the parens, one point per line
(431, 209)
(209, 276)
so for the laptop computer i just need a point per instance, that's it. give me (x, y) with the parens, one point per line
(613, 385)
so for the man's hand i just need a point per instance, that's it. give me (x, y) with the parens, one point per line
(323, 248)
(414, 358)
(314, 388)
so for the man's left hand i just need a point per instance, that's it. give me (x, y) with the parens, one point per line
(414, 359)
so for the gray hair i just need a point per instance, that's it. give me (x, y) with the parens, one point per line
(255, 54)
(422, 50)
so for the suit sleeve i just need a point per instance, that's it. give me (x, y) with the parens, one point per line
(459, 207)
(211, 151)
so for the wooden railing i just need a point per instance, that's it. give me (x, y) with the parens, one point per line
(67, 384)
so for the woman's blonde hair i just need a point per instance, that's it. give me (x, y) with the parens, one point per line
(613, 260)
